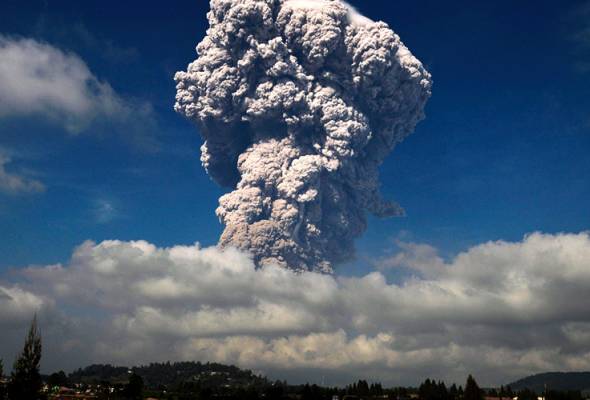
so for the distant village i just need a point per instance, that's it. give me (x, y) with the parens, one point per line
(213, 381)
(207, 381)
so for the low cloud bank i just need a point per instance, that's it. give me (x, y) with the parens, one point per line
(499, 310)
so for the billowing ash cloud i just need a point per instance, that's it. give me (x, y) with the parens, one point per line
(299, 102)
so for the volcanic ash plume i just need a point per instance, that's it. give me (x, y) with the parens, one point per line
(299, 102)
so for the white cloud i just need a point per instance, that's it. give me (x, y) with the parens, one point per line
(499, 309)
(17, 305)
(421, 258)
(37, 79)
(13, 183)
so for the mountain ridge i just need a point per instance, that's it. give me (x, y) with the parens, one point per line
(562, 381)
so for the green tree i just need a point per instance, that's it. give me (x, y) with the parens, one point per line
(527, 394)
(362, 388)
(57, 379)
(134, 389)
(509, 392)
(205, 394)
(2, 388)
(472, 390)
(441, 391)
(453, 392)
(25, 380)
(376, 389)
(274, 392)
(425, 390)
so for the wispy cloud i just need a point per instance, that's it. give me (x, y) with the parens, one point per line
(37, 79)
(105, 211)
(14, 183)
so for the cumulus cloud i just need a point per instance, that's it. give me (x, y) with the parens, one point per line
(17, 305)
(299, 102)
(499, 309)
(37, 79)
(13, 183)
(417, 257)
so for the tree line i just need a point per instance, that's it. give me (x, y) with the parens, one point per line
(25, 380)
(197, 381)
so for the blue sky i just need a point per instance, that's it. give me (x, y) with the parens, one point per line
(503, 150)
